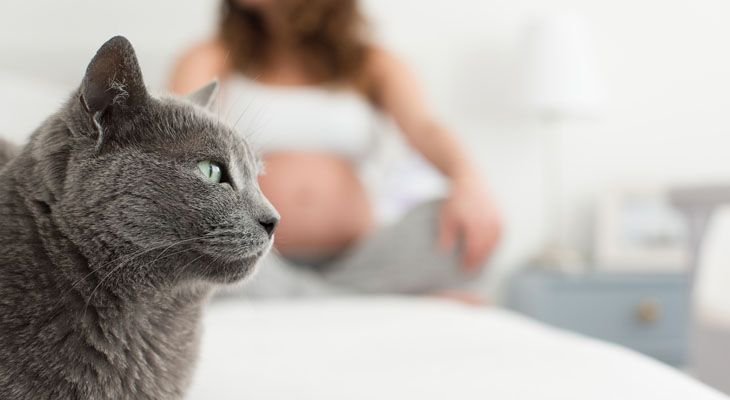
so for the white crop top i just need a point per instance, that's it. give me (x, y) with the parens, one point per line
(316, 119)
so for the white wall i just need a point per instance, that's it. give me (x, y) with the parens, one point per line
(665, 64)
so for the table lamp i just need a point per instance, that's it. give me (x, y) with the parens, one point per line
(561, 84)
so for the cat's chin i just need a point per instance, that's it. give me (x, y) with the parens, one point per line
(228, 264)
(228, 270)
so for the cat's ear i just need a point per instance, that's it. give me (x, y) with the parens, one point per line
(113, 84)
(204, 96)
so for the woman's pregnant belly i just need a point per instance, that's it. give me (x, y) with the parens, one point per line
(323, 205)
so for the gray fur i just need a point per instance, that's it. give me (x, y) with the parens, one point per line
(111, 240)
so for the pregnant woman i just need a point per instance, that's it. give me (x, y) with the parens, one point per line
(301, 81)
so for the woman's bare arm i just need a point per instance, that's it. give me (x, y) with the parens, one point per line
(399, 94)
(469, 214)
(198, 66)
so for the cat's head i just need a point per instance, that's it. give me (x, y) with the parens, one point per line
(157, 190)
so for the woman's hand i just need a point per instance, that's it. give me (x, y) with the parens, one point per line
(470, 219)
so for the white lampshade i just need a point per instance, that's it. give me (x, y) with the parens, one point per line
(561, 75)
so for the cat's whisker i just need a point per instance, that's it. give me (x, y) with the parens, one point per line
(181, 269)
(207, 267)
(63, 295)
(243, 112)
(235, 104)
(88, 301)
(126, 260)
(253, 118)
(168, 248)
(129, 258)
(231, 106)
(254, 131)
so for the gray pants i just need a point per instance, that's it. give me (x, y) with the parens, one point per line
(400, 258)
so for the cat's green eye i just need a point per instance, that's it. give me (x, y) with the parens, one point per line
(211, 171)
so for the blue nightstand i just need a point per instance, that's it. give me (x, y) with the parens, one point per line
(645, 312)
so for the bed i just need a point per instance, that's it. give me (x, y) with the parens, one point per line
(407, 348)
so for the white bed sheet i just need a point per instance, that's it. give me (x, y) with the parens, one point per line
(394, 348)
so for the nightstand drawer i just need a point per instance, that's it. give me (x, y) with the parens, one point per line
(648, 313)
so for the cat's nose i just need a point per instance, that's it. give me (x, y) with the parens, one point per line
(269, 224)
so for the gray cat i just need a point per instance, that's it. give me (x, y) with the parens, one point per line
(116, 221)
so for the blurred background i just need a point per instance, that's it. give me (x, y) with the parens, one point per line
(591, 121)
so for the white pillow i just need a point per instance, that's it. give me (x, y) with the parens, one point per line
(712, 299)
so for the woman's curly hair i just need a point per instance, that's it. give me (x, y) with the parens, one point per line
(330, 35)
